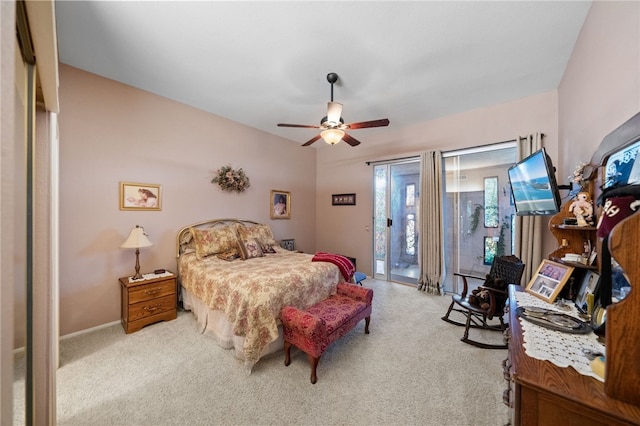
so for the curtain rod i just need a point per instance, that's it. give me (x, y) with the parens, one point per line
(391, 160)
(474, 149)
(368, 163)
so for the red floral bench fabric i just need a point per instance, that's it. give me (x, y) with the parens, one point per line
(314, 329)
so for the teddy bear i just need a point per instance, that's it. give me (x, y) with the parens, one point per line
(582, 209)
(480, 296)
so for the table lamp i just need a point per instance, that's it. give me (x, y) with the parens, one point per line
(137, 239)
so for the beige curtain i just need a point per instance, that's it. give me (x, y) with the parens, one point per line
(529, 229)
(431, 228)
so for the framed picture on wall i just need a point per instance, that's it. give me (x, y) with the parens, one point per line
(548, 280)
(280, 204)
(140, 196)
(343, 200)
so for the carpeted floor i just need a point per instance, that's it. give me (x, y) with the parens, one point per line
(411, 370)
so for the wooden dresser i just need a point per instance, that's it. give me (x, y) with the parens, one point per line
(147, 301)
(541, 393)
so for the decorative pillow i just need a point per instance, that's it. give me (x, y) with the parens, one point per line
(262, 233)
(230, 255)
(266, 248)
(250, 248)
(214, 240)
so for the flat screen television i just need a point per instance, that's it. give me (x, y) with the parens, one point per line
(533, 185)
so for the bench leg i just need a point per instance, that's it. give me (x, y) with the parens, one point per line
(287, 353)
(367, 320)
(313, 362)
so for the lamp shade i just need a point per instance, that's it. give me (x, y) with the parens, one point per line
(332, 136)
(137, 239)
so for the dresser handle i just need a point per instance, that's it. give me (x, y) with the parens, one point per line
(154, 291)
(152, 308)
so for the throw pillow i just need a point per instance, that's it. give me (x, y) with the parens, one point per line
(250, 248)
(214, 240)
(262, 233)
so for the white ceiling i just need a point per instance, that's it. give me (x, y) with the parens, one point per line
(262, 63)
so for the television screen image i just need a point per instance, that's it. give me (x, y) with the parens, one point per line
(533, 185)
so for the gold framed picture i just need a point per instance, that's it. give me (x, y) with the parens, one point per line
(280, 204)
(140, 196)
(548, 280)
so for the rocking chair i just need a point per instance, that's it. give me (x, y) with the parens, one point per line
(507, 268)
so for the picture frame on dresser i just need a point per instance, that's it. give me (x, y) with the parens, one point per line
(588, 285)
(548, 280)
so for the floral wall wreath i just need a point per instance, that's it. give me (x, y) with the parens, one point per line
(231, 180)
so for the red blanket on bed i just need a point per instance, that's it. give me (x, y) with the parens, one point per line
(346, 267)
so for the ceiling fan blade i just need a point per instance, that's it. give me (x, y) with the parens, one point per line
(306, 126)
(350, 140)
(364, 124)
(334, 112)
(312, 140)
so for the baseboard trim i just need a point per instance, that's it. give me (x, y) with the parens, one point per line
(89, 330)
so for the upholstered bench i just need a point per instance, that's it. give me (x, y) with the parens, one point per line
(315, 328)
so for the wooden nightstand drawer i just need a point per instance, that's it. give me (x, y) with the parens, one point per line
(147, 301)
(152, 291)
(151, 307)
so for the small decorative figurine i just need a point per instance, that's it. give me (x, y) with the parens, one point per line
(582, 208)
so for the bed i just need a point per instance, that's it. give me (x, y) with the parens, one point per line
(235, 279)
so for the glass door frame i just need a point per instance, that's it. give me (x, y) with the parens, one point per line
(461, 220)
(385, 216)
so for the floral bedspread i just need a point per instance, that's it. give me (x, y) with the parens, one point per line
(252, 292)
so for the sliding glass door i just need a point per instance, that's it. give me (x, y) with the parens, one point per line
(478, 212)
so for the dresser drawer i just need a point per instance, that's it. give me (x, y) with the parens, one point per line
(152, 291)
(151, 307)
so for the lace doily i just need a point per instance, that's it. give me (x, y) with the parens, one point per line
(562, 349)
(150, 276)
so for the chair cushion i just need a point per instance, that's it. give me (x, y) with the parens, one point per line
(337, 310)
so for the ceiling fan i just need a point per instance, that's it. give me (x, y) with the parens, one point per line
(333, 127)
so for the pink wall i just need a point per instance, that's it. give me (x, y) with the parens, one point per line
(109, 133)
(600, 88)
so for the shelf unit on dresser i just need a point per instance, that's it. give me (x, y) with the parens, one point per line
(574, 235)
(542, 394)
(148, 301)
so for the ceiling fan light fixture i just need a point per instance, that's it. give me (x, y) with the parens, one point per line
(332, 124)
(332, 136)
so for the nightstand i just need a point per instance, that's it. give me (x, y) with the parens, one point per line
(148, 300)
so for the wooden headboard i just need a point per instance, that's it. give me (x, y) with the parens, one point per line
(184, 239)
